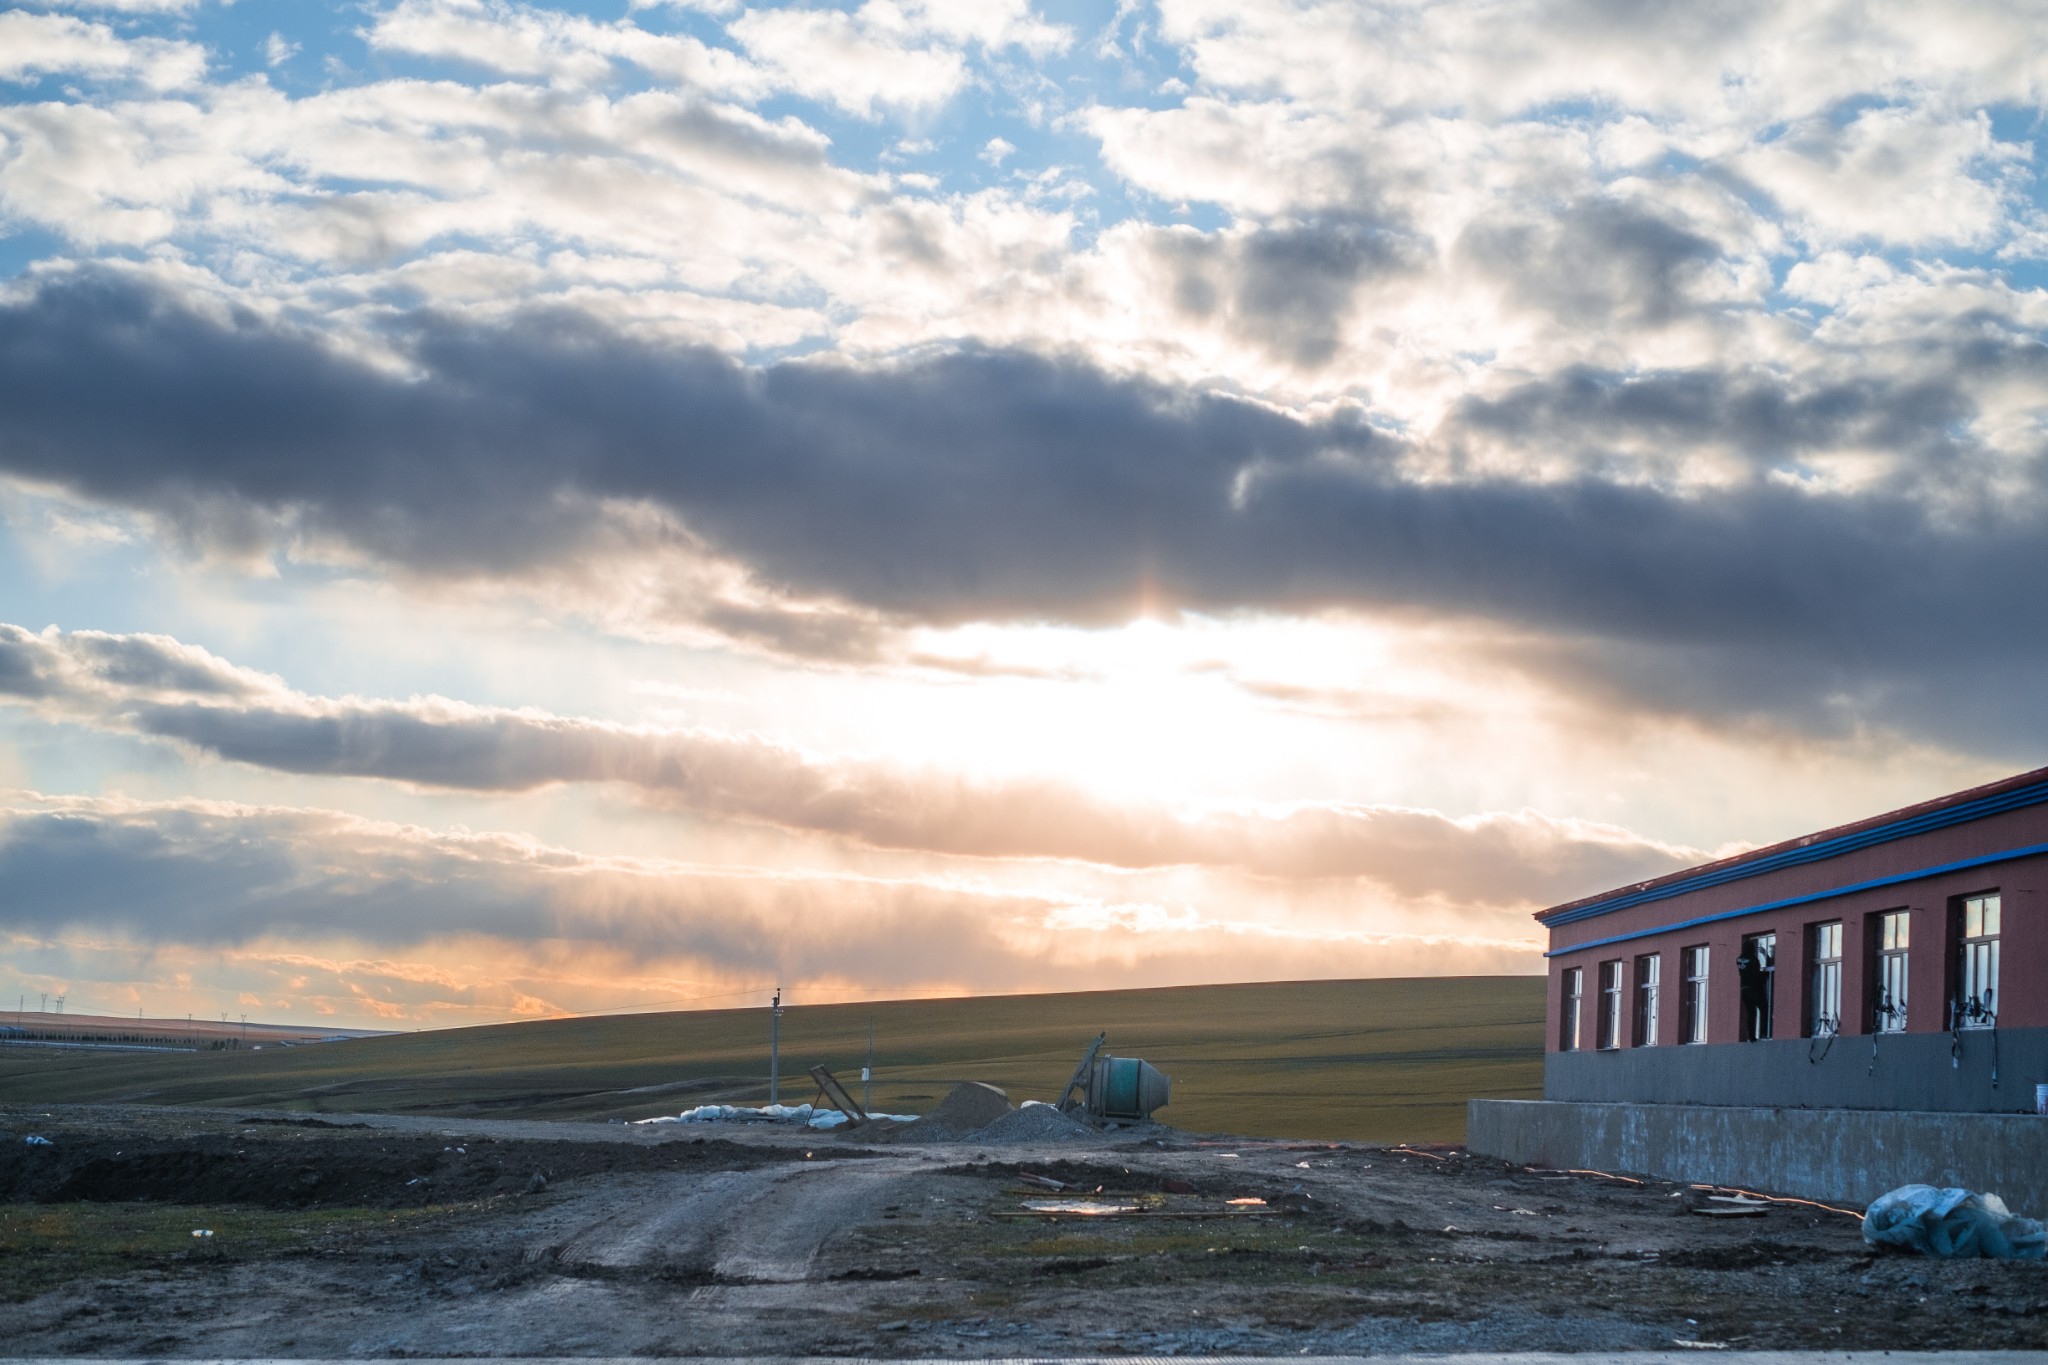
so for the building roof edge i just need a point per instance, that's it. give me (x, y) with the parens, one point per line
(1973, 803)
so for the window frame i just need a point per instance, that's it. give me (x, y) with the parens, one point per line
(1823, 980)
(1613, 985)
(1891, 964)
(1649, 982)
(1969, 1012)
(1571, 998)
(1695, 981)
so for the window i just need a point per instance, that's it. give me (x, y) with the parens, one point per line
(1824, 986)
(1888, 998)
(1610, 1005)
(1574, 988)
(1692, 995)
(1647, 975)
(1977, 972)
(1757, 973)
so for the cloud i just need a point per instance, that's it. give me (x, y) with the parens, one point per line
(33, 45)
(1689, 506)
(438, 923)
(522, 40)
(159, 687)
(1599, 263)
(1900, 176)
(843, 59)
(1289, 288)
(1742, 63)
(888, 54)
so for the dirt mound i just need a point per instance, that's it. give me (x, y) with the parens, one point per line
(969, 1107)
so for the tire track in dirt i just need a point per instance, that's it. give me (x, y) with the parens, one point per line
(804, 1209)
(764, 1226)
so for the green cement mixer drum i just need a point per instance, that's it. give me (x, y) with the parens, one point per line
(1126, 1088)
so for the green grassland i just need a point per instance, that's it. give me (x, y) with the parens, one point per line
(1381, 1060)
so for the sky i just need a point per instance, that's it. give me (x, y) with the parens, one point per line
(511, 510)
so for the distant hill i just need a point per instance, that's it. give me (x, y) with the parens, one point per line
(116, 1030)
(1383, 1060)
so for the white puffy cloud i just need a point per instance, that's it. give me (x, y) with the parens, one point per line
(34, 45)
(1899, 176)
(522, 40)
(848, 61)
(1736, 65)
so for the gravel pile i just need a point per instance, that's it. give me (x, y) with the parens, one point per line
(1037, 1123)
(981, 1114)
(969, 1108)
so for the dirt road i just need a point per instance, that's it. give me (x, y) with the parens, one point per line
(424, 1237)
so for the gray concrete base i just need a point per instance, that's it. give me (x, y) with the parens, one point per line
(1918, 1071)
(1847, 1156)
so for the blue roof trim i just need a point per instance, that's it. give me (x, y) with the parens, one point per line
(1812, 853)
(1830, 894)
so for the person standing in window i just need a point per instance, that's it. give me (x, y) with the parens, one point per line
(1756, 970)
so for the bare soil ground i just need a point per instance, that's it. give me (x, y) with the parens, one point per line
(429, 1237)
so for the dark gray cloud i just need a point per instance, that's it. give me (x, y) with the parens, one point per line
(1756, 414)
(976, 484)
(1597, 263)
(1289, 288)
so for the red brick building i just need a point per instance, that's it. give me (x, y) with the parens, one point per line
(1900, 962)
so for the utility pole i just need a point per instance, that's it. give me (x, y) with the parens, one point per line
(867, 1073)
(775, 1048)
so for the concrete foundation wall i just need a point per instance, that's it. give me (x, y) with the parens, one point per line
(1912, 1071)
(1839, 1155)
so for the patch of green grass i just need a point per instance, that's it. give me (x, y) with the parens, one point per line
(1380, 1060)
(45, 1246)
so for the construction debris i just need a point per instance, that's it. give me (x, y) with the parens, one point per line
(1952, 1223)
(804, 1114)
(833, 1093)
